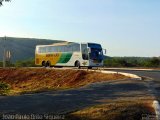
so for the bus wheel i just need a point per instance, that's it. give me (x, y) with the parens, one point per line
(89, 67)
(77, 64)
(43, 64)
(48, 64)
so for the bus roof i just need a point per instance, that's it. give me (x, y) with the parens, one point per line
(62, 43)
(56, 44)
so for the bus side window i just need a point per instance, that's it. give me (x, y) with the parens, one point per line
(49, 49)
(42, 50)
(65, 48)
(54, 49)
(69, 48)
(58, 49)
(62, 48)
(39, 49)
(84, 51)
(76, 47)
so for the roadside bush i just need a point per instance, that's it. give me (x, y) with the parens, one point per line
(8, 64)
(1, 64)
(25, 63)
(4, 88)
(132, 62)
(20, 63)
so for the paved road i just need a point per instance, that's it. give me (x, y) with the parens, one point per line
(154, 75)
(70, 100)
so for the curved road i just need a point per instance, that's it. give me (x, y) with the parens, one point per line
(152, 75)
(57, 102)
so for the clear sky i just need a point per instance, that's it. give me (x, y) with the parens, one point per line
(123, 27)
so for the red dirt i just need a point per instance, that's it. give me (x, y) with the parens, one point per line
(33, 79)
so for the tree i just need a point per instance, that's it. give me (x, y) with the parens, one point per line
(155, 62)
(1, 1)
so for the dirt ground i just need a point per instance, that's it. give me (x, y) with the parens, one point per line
(120, 109)
(23, 80)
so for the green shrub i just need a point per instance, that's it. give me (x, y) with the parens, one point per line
(4, 88)
(25, 63)
(8, 64)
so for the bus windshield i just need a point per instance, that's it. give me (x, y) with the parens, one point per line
(96, 52)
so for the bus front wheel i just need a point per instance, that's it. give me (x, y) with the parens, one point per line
(77, 64)
(89, 67)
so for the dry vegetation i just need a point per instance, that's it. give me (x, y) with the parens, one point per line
(121, 109)
(23, 80)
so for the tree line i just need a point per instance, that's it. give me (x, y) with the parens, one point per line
(132, 62)
(20, 63)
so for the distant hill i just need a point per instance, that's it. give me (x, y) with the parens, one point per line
(22, 48)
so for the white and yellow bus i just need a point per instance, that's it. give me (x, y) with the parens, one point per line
(69, 54)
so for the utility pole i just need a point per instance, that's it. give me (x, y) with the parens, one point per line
(4, 52)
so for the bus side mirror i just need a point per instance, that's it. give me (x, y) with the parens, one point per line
(104, 51)
(89, 50)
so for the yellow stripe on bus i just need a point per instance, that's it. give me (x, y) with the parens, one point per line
(52, 57)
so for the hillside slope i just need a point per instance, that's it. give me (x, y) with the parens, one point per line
(37, 79)
(22, 48)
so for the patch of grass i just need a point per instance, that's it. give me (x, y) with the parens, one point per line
(117, 110)
(4, 88)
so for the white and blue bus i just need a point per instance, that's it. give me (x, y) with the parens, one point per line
(70, 54)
